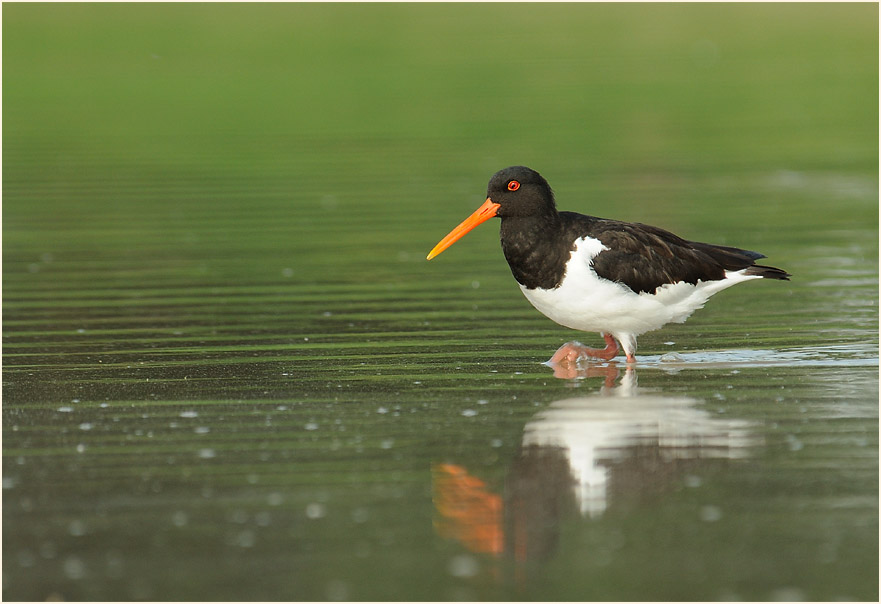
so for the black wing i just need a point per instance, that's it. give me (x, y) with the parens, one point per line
(644, 257)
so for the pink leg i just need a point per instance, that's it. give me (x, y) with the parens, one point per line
(570, 352)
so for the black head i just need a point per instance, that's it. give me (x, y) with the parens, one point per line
(520, 191)
(513, 192)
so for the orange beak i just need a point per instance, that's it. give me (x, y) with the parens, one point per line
(481, 215)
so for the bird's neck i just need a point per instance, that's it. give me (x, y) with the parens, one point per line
(532, 247)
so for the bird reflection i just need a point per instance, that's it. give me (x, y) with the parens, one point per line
(581, 456)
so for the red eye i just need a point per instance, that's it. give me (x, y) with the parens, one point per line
(513, 185)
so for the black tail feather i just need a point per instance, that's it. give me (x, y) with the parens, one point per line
(735, 259)
(768, 272)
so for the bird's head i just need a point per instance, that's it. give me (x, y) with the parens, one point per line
(520, 191)
(517, 191)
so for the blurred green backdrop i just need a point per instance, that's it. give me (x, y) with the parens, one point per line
(663, 113)
(630, 83)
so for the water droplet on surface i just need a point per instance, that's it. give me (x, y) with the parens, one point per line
(710, 513)
(693, 481)
(207, 453)
(246, 538)
(179, 518)
(463, 566)
(469, 412)
(74, 568)
(263, 518)
(311, 426)
(315, 511)
(189, 414)
(77, 528)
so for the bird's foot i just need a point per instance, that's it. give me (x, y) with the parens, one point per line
(572, 352)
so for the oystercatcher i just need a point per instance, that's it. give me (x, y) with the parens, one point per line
(621, 279)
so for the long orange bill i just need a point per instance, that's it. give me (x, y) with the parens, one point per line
(481, 215)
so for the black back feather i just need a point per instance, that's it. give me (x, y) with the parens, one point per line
(644, 257)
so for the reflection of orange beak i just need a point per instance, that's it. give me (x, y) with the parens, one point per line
(467, 510)
(481, 215)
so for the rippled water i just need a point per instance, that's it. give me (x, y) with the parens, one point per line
(230, 374)
(420, 454)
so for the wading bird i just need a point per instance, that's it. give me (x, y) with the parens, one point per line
(621, 279)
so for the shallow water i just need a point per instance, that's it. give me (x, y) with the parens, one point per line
(230, 374)
(486, 484)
